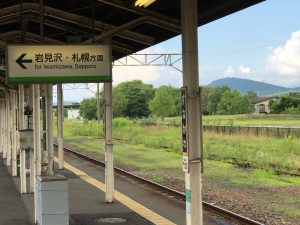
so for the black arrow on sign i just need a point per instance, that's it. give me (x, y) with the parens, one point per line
(20, 61)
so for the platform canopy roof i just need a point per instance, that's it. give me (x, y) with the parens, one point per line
(131, 28)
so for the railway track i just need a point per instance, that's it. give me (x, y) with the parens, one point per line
(179, 195)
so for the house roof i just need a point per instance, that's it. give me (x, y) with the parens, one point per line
(259, 99)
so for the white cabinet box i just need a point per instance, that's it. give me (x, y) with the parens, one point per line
(52, 200)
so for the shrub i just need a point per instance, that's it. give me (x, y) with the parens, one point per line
(121, 122)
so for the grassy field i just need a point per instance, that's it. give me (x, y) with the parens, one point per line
(236, 120)
(151, 159)
(258, 152)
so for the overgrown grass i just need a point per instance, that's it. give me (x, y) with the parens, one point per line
(152, 159)
(259, 152)
(247, 119)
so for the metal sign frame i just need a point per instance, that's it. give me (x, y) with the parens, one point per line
(91, 65)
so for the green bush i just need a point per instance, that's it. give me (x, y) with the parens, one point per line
(121, 122)
(148, 121)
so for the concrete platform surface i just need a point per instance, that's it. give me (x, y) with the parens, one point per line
(13, 209)
(135, 204)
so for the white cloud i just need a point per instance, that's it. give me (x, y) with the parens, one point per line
(244, 69)
(285, 60)
(229, 71)
(126, 73)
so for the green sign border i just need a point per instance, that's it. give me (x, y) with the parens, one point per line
(58, 79)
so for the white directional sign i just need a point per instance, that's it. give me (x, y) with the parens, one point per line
(58, 63)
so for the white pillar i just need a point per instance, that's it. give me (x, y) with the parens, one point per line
(109, 165)
(14, 132)
(20, 120)
(8, 129)
(21, 107)
(191, 82)
(98, 103)
(2, 107)
(32, 171)
(49, 117)
(60, 116)
(23, 171)
(36, 128)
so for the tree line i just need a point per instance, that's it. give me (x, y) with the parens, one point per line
(134, 99)
(287, 104)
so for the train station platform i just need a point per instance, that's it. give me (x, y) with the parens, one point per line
(134, 204)
(14, 207)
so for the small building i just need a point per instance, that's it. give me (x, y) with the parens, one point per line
(71, 109)
(73, 113)
(261, 104)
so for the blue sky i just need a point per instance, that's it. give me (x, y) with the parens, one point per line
(260, 43)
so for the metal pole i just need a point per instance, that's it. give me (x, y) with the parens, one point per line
(60, 116)
(23, 171)
(21, 124)
(50, 129)
(109, 168)
(32, 153)
(36, 137)
(8, 129)
(98, 103)
(2, 114)
(193, 178)
(109, 165)
(14, 133)
(21, 107)
(5, 127)
(36, 128)
(2, 125)
(43, 106)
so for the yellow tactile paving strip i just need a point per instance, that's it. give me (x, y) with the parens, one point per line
(131, 204)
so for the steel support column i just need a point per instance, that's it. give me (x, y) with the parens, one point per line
(60, 116)
(14, 132)
(6, 152)
(36, 128)
(29, 95)
(109, 165)
(21, 119)
(2, 126)
(21, 96)
(49, 118)
(98, 103)
(109, 161)
(193, 178)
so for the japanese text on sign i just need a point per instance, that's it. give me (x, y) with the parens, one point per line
(58, 63)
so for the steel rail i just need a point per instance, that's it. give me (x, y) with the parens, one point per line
(208, 206)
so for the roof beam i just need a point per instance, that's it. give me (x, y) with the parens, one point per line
(140, 11)
(75, 19)
(17, 33)
(117, 46)
(137, 22)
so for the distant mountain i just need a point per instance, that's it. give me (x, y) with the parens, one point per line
(244, 85)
